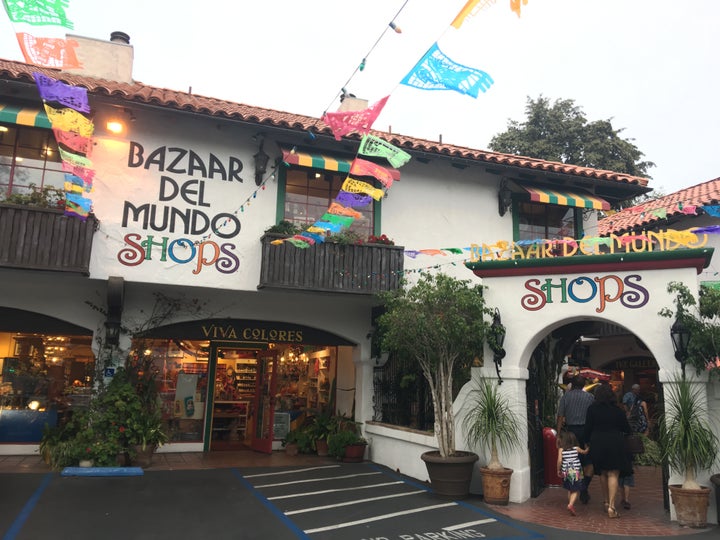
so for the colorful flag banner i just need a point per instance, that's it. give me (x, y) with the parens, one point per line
(343, 221)
(376, 147)
(73, 141)
(660, 213)
(436, 71)
(38, 12)
(470, 10)
(363, 167)
(319, 238)
(353, 200)
(689, 209)
(331, 226)
(305, 239)
(74, 159)
(344, 122)
(74, 97)
(74, 183)
(88, 175)
(69, 120)
(77, 205)
(712, 229)
(712, 210)
(352, 185)
(516, 7)
(298, 243)
(48, 52)
(340, 210)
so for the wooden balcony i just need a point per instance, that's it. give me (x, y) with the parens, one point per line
(35, 238)
(328, 267)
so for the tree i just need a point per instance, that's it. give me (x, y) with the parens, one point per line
(440, 321)
(561, 132)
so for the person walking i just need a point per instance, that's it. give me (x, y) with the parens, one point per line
(636, 410)
(605, 428)
(569, 467)
(572, 411)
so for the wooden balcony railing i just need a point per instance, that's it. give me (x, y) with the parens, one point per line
(328, 267)
(44, 239)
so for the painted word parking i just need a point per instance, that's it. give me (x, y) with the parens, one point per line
(368, 502)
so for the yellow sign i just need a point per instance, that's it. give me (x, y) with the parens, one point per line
(665, 240)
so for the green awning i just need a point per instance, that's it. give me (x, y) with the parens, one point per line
(566, 198)
(24, 116)
(323, 162)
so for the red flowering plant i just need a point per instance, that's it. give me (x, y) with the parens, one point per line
(382, 239)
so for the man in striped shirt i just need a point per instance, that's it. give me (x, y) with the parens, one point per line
(572, 411)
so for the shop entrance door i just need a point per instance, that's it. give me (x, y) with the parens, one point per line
(264, 410)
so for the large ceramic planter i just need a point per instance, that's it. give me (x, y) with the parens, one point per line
(354, 453)
(321, 446)
(496, 485)
(450, 476)
(691, 505)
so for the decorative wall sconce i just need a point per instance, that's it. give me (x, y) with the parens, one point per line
(504, 197)
(680, 336)
(497, 333)
(261, 160)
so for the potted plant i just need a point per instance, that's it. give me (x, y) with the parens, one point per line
(689, 445)
(347, 445)
(146, 436)
(299, 440)
(323, 425)
(492, 423)
(441, 323)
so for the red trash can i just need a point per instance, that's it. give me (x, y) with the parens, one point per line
(550, 453)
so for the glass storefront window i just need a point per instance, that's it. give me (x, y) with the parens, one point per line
(44, 378)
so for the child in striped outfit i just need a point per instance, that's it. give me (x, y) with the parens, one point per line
(569, 467)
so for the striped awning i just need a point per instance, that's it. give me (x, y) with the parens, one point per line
(566, 198)
(12, 114)
(326, 163)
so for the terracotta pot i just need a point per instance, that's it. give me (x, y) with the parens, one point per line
(321, 446)
(143, 458)
(450, 477)
(496, 485)
(691, 505)
(292, 449)
(354, 453)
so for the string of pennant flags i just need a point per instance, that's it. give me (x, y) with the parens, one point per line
(434, 71)
(66, 106)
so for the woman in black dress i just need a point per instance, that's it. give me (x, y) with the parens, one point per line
(605, 428)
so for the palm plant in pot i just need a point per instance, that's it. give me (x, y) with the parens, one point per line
(492, 423)
(689, 445)
(441, 323)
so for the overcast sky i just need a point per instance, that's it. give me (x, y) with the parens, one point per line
(649, 65)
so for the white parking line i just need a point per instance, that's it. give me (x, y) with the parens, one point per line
(322, 492)
(469, 524)
(378, 518)
(291, 472)
(315, 480)
(349, 503)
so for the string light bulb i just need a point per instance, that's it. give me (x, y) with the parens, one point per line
(395, 27)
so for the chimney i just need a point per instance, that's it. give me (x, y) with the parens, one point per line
(112, 60)
(348, 102)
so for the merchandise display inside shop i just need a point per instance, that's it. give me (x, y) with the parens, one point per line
(44, 378)
(304, 385)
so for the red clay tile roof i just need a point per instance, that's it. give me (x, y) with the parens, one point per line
(143, 94)
(646, 214)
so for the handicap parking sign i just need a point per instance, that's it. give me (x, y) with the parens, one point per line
(109, 372)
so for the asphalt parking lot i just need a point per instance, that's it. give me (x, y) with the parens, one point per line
(350, 501)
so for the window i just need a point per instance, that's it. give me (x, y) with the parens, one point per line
(550, 221)
(29, 159)
(309, 193)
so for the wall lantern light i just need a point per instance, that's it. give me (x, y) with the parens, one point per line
(504, 197)
(497, 331)
(115, 126)
(261, 160)
(680, 336)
